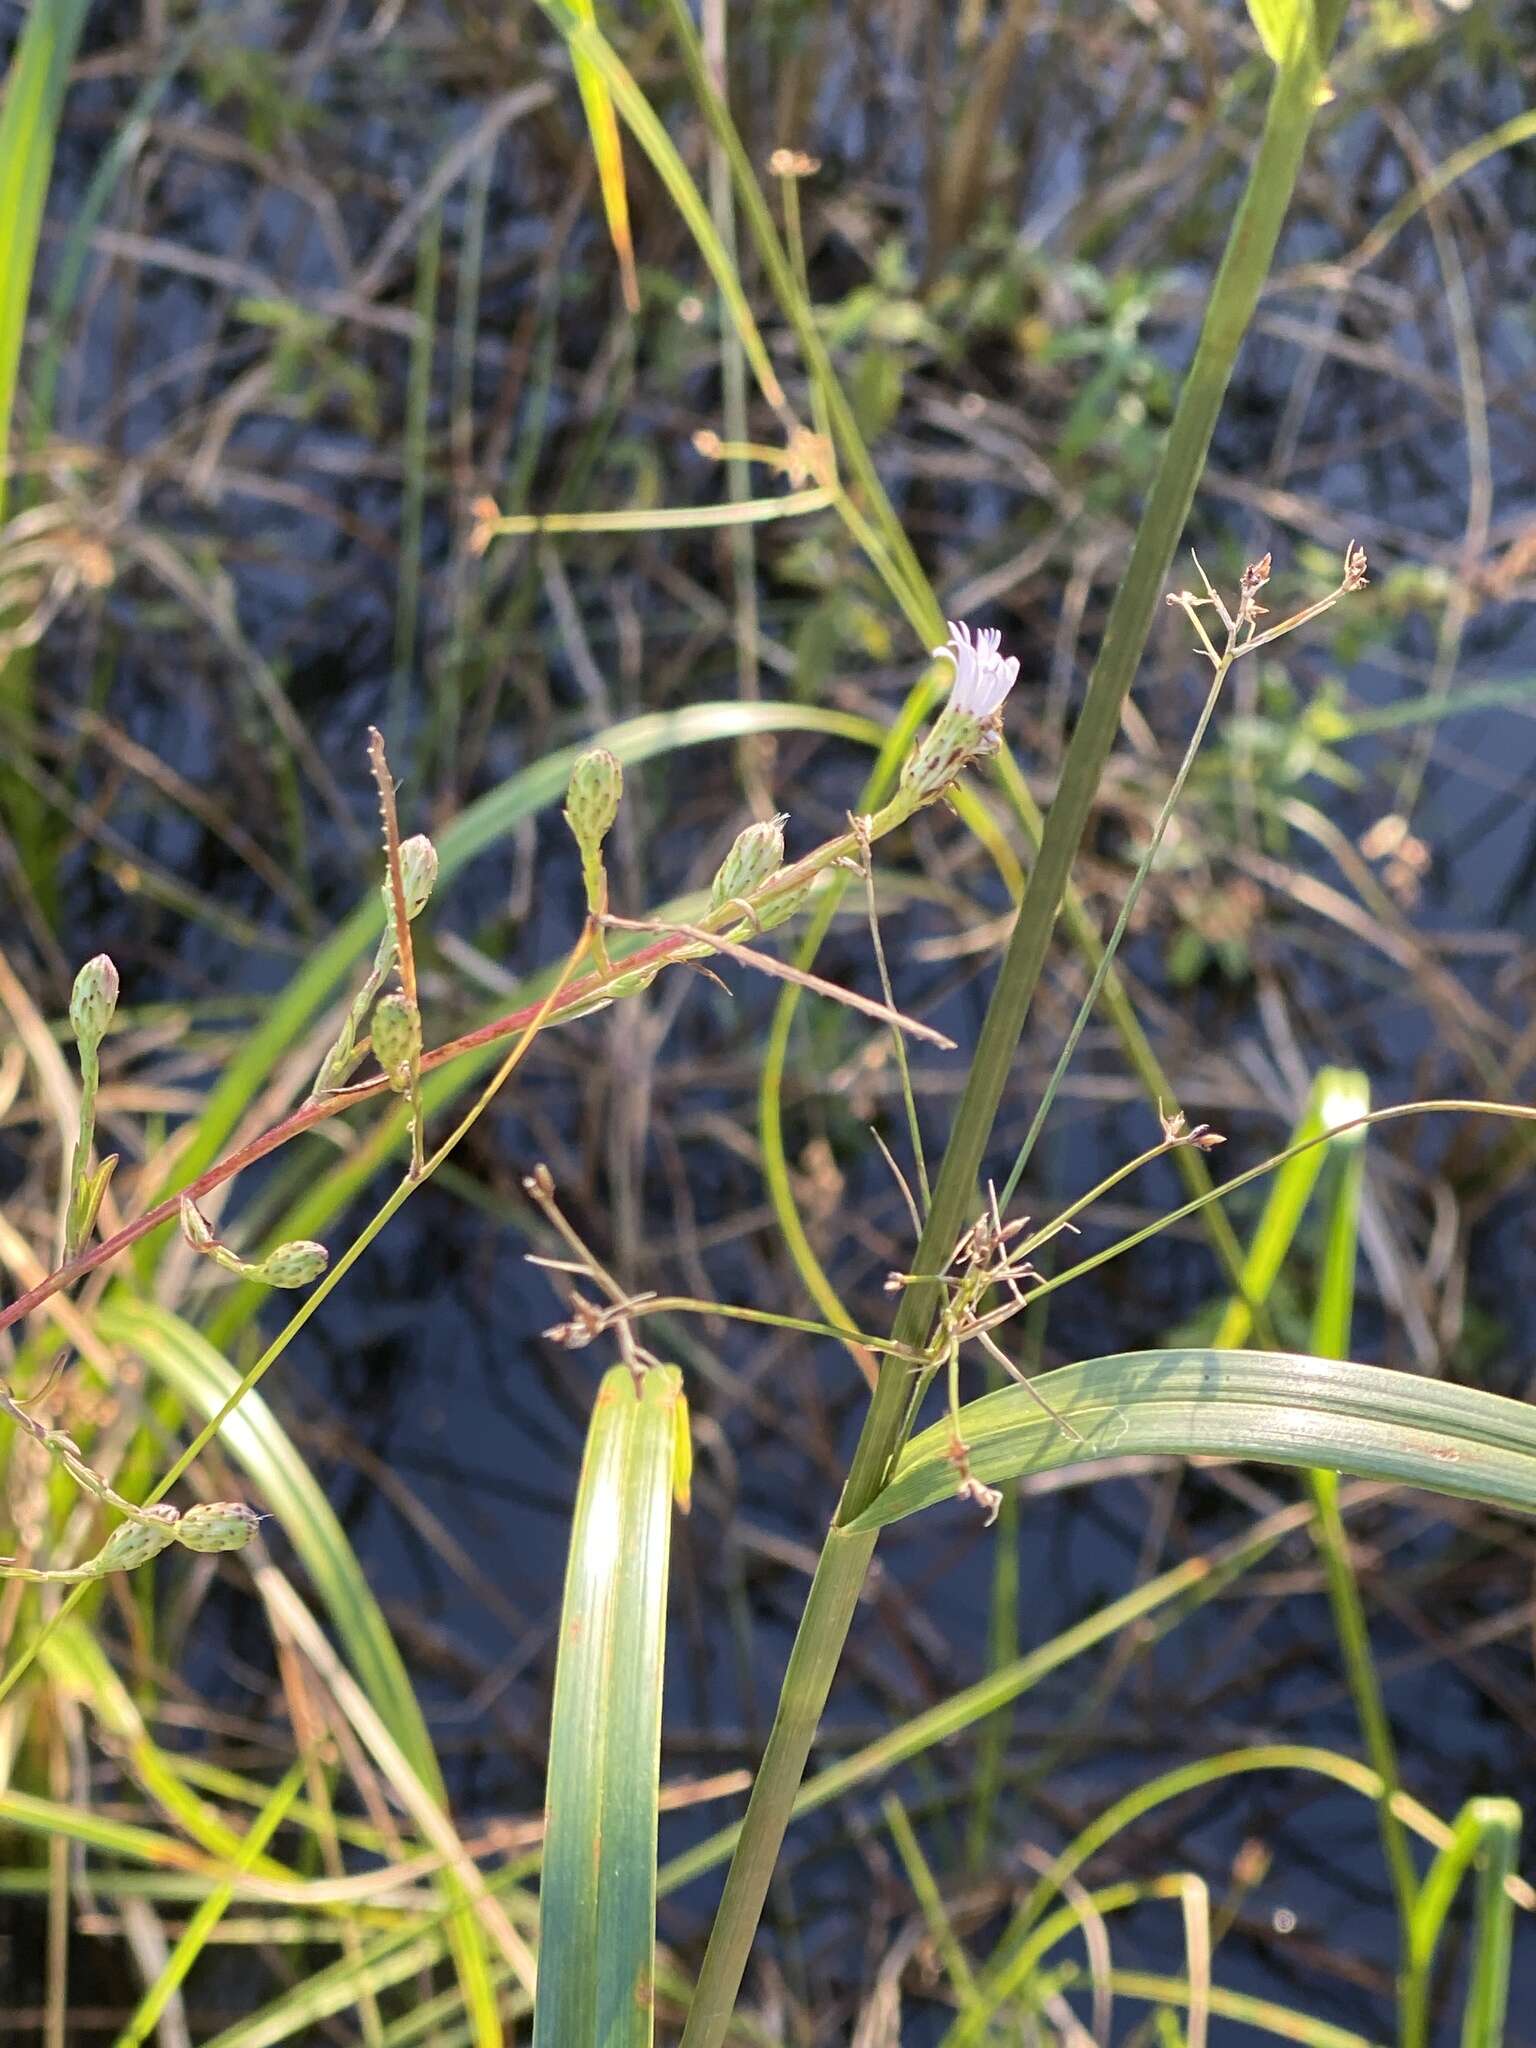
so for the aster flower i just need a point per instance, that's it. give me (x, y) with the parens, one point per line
(971, 723)
(983, 677)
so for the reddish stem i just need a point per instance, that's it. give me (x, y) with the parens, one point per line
(305, 1118)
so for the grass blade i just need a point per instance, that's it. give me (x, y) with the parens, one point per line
(608, 152)
(597, 1911)
(1269, 1405)
(29, 120)
(257, 1442)
(1493, 1927)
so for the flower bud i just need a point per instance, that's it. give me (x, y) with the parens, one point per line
(92, 1002)
(757, 854)
(779, 909)
(418, 876)
(592, 800)
(294, 1264)
(134, 1543)
(217, 1525)
(956, 738)
(396, 1032)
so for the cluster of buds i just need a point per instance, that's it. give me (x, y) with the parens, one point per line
(294, 1264)
(212, 1526)
(418, 878)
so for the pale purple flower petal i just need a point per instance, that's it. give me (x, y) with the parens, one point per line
(983, 676)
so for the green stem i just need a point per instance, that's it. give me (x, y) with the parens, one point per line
(845, 1557)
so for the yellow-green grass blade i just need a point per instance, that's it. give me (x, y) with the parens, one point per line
(587, 44)
(209, 1913)
(1484, 1841)
(29, 120)
(608, 153)
(79, 1667)
(282, 1482)
(1487, 1999)
(597, 1895)
(1284, 26)
(1337, 1095)
(1273, 1406)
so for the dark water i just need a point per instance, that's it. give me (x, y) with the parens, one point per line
(425, 1390)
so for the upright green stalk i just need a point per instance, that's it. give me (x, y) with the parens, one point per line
(1331, 1321)
(845, 1556)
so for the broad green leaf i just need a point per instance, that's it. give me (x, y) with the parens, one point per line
(597, 1896)
(1268, 1405)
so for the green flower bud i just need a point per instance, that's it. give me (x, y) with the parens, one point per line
(396, 1032)
(757, 854)
(217, 1525)
(294, 1264)
(134, 1543)
(592, 800)
(778, 910)
(93, 1000)
(418, 876)
(956, 738)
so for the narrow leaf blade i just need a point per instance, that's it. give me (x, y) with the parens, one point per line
(597, 1897)
(1267, 1405)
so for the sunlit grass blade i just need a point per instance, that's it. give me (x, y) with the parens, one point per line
(199, 1929)
(1336, 1096)
(1485, 1838)
(608, 153)
(1268, 1405)
(587, 45)
(841, 1568)
(597, 1895)
(1487, 2000)
(252, 1436)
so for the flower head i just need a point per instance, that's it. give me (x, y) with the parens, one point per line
(983, 677)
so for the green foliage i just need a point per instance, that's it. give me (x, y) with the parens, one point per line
(597, 1898)
(1272, 1406)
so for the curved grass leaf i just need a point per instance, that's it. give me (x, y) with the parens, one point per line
(253, 1437)
(1269, 1405)
(597, 1897)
